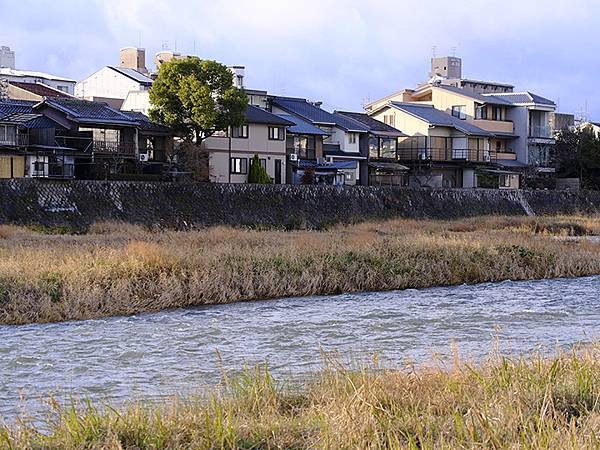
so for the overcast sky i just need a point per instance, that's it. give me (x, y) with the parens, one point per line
(342, 52)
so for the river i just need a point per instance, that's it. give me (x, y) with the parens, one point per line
(154, 355)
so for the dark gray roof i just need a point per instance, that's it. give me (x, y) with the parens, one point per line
(254, 114)
(302, 108)
(30, 120)
(520, 98)
(134, 75)
(301, 126)
(373, 125)
(474, 95)
(83, 111)
(436, 117)
(350, 124)
(15, 106)
(334, 150)
(145, 124)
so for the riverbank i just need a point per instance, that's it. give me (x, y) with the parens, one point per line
(530, 402)
(118, 269)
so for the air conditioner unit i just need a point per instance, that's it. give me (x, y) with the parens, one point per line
(293, 157)
(143, 157)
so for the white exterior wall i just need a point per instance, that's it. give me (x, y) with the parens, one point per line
(107, 83)
(137, 101)
(62, 85)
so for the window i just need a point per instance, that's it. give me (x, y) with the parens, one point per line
(240, 132)
(238, 166)
(276, 133)
(496, 113)
(481, 112)
(374, 147)
(388, 148)
(38, 166)
(263, 163)
(498, 146)
(63, 88)
(460, 112)
(389, 119)
(351, 138)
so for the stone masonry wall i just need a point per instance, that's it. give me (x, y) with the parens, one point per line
(78, 204)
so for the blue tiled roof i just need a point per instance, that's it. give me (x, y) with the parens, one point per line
(254, 114)
(308, 111)
(89, 112)
(436, 117)
(30, 120)
(301, 126)
(519, 98)
(15, 106)
(134, 75)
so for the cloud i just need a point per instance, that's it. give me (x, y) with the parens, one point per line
(340, 52)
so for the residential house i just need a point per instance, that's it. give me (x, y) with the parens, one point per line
(112, 85)
(341, 147)
(27, 76)
(440, 149)
(17, 90)
(381, 144)
(230, 153)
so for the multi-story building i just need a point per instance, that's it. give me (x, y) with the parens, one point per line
(230, 152)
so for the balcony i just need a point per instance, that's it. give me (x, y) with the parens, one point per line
(114, 148)
(445, 154)
(540, 132)
(18, 140)
(495, 126)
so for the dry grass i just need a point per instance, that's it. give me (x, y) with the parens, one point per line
(119, 269)
(532, 403)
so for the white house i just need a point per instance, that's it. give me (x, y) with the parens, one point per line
(27, 76)
(112, 85)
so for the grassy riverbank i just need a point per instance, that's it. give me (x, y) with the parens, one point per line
(119, 269)
(533, 402)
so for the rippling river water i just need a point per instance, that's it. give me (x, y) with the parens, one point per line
(155, 355)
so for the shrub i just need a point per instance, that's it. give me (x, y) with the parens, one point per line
(258, 173)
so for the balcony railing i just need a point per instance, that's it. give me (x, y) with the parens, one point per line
(79, 143)
(114, 147)
(18, 140)
(52, 170)
(444, 154)
(540, 131)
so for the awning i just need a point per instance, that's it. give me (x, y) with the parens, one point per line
(389, 166)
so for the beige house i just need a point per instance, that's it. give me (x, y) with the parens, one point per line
(230, 153)
(442, 150)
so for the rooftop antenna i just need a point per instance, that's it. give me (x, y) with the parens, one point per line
(140, 39)
(165, 45)
(433, 51)
(175, 45)
(453, 49)
(194, 47)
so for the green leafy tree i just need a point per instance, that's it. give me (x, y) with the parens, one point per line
(577, 154)
(257, 173)
(196, 98)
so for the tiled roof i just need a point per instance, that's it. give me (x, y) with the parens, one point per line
(30, 120)
(40, 89)
(6, 71)
(492, 100)
(308, 111)
(301, 126)
(145, 124)
(84, 111)
(134, 75)
(433, 116)
(372, 124)
(254, 114)
(349, 124)
(523, 98)
(15, 106)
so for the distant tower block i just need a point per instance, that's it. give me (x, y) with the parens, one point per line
(7, 57)
(165, 56)
(446, 67)
(133, 58)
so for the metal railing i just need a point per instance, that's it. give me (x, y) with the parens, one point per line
(18, 140)
(445, 154)
(79, 143)
(52, 170)
(114, 147)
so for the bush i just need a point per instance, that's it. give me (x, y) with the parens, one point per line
(258, 173)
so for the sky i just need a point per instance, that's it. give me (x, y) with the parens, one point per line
(341, 52)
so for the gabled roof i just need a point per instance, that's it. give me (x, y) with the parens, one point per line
(350, 124)
(83, 111)
(523, 98)
(15, 106)
(304, 109)
(373, 125)
(474, 95)
(30, 120)
(432, 116)
(254, 114)
(134, 75)
(40, 89)
(145, 124)
(301, 126)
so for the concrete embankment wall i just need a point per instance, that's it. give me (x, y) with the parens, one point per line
(77, 204)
